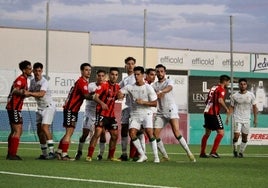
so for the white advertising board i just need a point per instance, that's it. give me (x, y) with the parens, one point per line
(258, 136)
(259, 63)
(199, 60)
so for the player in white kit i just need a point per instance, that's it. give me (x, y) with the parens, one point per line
(130, 63)
(90, 118)
(142, 98)
(241, 104)
(167, 112)
(39, 89)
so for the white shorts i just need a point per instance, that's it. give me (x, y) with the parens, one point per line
(89, 121)
(241, 127)
(144, 120)
(125, 115)
(161, 119)
(46, 115)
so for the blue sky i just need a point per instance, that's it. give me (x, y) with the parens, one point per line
(183, 24)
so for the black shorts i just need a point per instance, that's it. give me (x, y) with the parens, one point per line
(15, 117)
(213, 122)
(69, 118)
(109, 123)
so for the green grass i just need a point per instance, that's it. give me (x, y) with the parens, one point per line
(227, 171)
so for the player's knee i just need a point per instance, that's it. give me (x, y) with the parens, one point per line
(235, 140)
(102, 139)
(82, 138)
(124, 132)
(140, 132)
(158, 139)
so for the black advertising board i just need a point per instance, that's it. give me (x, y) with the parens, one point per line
(199, 87)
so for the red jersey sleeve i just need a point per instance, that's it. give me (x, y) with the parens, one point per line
(221, 92)
(83, 85)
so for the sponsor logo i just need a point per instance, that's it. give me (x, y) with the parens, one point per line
(199, 61)
(205, 88)
(238, 63)
(259, 136)
(171, 60)
(200, 97)
(260, 64)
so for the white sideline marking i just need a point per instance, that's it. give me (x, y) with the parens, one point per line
(85, 180)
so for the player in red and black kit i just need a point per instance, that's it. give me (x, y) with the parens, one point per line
(14, 107)
(72, 105)
(105, 96)
(213, 121)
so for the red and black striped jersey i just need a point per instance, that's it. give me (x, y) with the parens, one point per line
(76, 95)
(15, 101)
(212, 103)
(108, 94)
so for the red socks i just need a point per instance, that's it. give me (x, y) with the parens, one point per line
(133, 150)
(111, 153)
(216, 143)
(64, 146)
(204, 144)
(13, 144)
(90, 151)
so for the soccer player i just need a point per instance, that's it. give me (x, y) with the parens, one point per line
(72, 105)
(130, 63)
(14, 107)
(142, 98)
(105, 96)
(46, 109)
(241, 104)
(90, 117)
(150, 76)
(213, 121)
(167, 112)
(133, 153)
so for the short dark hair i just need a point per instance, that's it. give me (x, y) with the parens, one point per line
(83, 65)
(160, 66)
(114, 69)
(101, 70)
(242, 80)
(129, 59)
(38, 65)
(23, 65)
(149, 70)
(224, 78)
(139, 68)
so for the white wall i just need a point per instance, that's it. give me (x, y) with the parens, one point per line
(67, 50)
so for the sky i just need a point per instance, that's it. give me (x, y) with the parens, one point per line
(180, 24)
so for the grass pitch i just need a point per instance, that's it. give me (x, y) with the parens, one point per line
(250, 171)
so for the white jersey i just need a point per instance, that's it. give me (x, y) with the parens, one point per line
(167, 101)
(242, 104)
(129, 80)
(90, 107)
(42, 85)
(144, 92)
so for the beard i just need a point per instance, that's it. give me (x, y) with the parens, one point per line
(160, 78)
